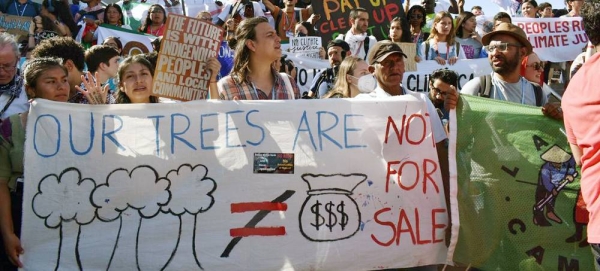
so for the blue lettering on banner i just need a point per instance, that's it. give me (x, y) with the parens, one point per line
(323, 133)
(35, 146)
(227, 129)
(156, 135)
(108, 135)
(347, 130)
(91, 136)
(175, 135)
(304, 121)
(262, 131)
(202, 131)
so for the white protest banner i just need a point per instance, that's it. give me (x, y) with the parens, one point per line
(417, 81)
(467, 69)
(305, 46)
(271, 185)
(554, 39)
(133, 42)
(181, 71)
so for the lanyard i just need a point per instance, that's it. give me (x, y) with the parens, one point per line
(287, 20)
(23, 11)
(498, 94)
(256, 92)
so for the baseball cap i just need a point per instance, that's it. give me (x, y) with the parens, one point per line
(344, 45)
(382, 50)
(511, 30)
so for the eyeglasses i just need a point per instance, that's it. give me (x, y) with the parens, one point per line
(156, 11)
(390, 63)
(538, 66)
(437, 91)
(502, 47)
(8, 67)
(416, 16)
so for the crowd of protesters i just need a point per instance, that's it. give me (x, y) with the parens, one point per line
(67, 63)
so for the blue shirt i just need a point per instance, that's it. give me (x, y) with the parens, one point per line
(29, 9)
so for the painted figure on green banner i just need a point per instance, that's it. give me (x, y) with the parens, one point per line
(558, 170)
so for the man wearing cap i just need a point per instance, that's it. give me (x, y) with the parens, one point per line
(387, 66)
(581, 100)
(337, 51)
(506, 47)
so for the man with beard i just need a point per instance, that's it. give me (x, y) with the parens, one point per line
(506, 46)
(442, 82)
(323, 81)
(358, 39)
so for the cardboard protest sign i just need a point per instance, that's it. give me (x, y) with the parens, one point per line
(335, 16)
(186, 46)
(305, 47)
(16, 25)
(554, 39)
(409, 48)
(215, 185)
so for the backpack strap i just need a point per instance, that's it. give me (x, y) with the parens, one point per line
(537, 90)
(485, 86)
(426, 50)
(366, 44)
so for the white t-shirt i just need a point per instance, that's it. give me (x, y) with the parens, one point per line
(258, 11)
(356, 42)
(439, 134)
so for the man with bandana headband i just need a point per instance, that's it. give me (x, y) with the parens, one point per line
(13, 99)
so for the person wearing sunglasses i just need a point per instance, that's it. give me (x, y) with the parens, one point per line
(507, 46)
(416, 17)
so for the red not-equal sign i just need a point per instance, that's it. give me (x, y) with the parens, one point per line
(253, 230)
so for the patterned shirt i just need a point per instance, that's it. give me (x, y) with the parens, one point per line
(79, 98)
(229, 88)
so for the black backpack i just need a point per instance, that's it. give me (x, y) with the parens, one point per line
(485, 86)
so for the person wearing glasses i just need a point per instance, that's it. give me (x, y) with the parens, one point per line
(507, 46)
(442, 82)
(416, 17)
(13, 99)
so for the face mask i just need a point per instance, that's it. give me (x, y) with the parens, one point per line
(366, 83)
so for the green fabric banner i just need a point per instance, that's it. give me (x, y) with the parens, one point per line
(518, 190)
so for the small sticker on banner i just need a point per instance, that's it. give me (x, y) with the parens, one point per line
(279, 163)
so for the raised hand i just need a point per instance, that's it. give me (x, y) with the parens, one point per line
(93, 92)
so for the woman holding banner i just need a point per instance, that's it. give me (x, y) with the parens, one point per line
(350, 81)
(441, 45)
(257, 46)
(45, 78)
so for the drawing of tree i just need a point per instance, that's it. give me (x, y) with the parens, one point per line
(192, 194)
(145, 193)
(64, 202)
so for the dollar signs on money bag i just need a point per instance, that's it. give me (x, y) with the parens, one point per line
(332, 212)
(329, 213)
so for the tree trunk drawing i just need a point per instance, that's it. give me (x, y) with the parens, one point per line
(184, 255)
(124, 255)
(68, 253)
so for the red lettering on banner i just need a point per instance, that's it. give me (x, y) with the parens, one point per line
(577, 26)
(330, 26)
(405, 133)
(428, 167)
(544, 27)
(549, 41)
(386, 12)
(405, 225)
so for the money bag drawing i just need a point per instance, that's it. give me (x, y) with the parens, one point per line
(329, 213)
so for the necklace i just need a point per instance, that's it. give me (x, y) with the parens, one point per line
(155, 33)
